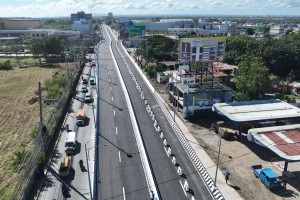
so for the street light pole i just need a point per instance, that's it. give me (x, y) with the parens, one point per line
(218, 159)
(88, 170)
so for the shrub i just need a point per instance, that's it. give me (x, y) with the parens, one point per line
(6, 65)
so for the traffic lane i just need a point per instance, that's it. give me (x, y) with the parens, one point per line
(110, 185)
(132, 169)
(133, 189)
(165, 173)
(195, 181)
(130, 160)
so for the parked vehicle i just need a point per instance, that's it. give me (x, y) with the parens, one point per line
(84, 89)
(70, 143)
(85, 81)
(88, 98)
(65, 166)
(267, 176)
(80, 117)
(92, 81)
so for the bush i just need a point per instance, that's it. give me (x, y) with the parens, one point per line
(6, 65)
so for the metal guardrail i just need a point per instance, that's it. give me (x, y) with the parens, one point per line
(96, 153)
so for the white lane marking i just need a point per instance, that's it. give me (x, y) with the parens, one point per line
(119, 156)
(182, 188)
(114, 113)
(109, 80)
(112, 98)
(108, 73)
(124, 194)
(110, 88)
(117, 130)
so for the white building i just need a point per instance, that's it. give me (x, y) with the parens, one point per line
(277, 30)
(82, 26)
(40, 33)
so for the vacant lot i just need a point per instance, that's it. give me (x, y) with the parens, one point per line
(19, 114)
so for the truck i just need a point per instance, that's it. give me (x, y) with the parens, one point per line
(267, 176)
(80, 117)
(70, 143)
(64, 168)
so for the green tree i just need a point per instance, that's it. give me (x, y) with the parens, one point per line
(50, 45)
(159, 48)
(239, 48)
(254, 79)
(250, 31)
(38, 49)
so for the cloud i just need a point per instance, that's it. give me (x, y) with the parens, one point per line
(49, 8)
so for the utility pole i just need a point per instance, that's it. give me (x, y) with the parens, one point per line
(41, 124)
(218, 160)
(88, 170)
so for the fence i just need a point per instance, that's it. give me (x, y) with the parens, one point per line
(42, 142)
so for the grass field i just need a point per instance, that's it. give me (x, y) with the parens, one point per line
(21, 62)
(19, 114)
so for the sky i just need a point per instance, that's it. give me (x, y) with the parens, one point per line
(61, 8)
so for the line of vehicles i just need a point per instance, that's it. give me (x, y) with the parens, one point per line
(70, 136)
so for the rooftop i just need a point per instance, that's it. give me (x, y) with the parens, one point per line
(205, 87)
(282, 140)
(260, 110)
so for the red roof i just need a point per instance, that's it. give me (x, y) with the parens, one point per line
(282, 140)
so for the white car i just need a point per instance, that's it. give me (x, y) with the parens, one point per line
(88, 98)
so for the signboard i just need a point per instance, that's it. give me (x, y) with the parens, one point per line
(188, 80)
(202, 49)
(136, 31)
(183, 68)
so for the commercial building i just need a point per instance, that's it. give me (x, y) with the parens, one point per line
(40, 33)
(83, 26)
(193, 93)
(81, 15)
(277, 30)
(19, 23)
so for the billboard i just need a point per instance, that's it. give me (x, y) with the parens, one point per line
(201, 49)
(137, 31)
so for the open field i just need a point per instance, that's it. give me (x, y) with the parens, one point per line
(21, 62)
(19, 114)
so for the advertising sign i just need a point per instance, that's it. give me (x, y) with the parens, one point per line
(183, 68)
(188, 80)
(185, 51)
(202, 49)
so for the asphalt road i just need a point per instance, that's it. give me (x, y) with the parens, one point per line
(169, 182)
(121, 171)
(77, 180)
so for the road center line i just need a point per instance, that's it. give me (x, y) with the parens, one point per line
(119, 156)
(109, 80)
(124, 194)
(112, 98)
(114, 113)
(110, 88)
(117, 130)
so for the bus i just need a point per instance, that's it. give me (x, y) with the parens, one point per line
(92, 81)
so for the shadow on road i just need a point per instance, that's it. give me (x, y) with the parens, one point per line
(120, 109)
